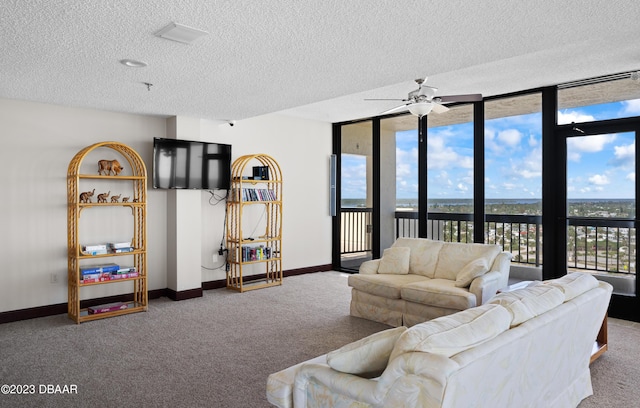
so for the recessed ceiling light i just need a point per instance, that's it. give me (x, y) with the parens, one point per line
(133, 63)
(180, 33)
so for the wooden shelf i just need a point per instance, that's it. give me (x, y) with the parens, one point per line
(241, 198)
(134, 307)
(138, 183)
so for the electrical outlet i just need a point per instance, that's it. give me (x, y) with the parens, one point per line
(53, 278)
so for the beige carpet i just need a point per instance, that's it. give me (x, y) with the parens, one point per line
(217, 351)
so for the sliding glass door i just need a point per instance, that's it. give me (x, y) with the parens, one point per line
(355, 209)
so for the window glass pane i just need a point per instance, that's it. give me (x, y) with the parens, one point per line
(450, 160)
(603, 100)
(450, 174)
(601, 176)
(513, 176)
(399, 158)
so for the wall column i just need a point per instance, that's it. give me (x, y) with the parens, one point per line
(184, 225)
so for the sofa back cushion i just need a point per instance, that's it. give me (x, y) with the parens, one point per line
(454, 256)
(452, 334)
(395, 260)
(424, 254)
(527, 303)
(574, 284)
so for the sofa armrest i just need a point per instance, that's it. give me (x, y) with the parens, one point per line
(416, 379)
(342, 386)
(486, 286)
(369, 267)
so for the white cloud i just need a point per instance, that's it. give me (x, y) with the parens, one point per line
(440, 156)
(567, 117)
(631, 176)
(510, 137)
(462, 187)
(624, 156)
(599, 179)
(589, 144)
(533, 141)
(631, 107)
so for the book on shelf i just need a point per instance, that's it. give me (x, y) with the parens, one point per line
(110, 267)
(110, 307)
(98, 249)
(253, 194)
(125, 269)
(123, 275)
(122, 250)
(109, 276)
(114, 245)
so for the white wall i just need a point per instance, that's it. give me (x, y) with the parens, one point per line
(38, 141)
(302, 148)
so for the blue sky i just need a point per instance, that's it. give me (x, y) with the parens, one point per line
(599, 166)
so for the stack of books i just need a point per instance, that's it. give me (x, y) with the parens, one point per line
(97, 249)
(106, 272)
(118, 247)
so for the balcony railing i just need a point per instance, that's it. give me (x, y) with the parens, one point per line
(595, 244)
(355, 234)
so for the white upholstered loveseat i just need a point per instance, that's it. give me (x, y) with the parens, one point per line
(418, 279)
(526, 348)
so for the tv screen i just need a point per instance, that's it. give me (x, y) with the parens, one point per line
(188, 164)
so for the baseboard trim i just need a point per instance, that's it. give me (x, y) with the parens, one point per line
(60, 308)
(184, 294)
(222, 283)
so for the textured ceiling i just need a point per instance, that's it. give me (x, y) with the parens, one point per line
(313, 59)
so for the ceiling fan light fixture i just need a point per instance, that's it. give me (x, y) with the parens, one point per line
(420, 109)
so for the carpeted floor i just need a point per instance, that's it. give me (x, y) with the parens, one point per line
(217, 351)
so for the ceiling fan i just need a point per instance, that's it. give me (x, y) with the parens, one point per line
(422, 101)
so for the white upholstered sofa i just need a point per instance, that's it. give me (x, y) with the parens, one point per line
(525, 348)
(418, 279)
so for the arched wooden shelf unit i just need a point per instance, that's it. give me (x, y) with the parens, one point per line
(254, 241)
(135, 175)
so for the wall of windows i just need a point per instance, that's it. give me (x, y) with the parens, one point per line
(497, 165)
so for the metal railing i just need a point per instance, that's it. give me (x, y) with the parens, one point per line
(355, 230)
(602, 244)
(596, 244)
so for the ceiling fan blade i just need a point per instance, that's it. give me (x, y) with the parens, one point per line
(460, 98)
(437, 108)
(394, 110)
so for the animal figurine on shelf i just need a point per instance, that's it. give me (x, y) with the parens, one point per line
(106, 167)
(86, 196)
(102, 198)
(125, 199)
(114, 199)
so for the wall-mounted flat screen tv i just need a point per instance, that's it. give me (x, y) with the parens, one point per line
(187, 164)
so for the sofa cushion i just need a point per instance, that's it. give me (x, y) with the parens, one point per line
(438, 292)
(367, 357)
(424, 254)
(449, 335)
(527, 303)
(395, 260)
(454, 256)
(472, 270)
(384, 285)
(574, 284)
